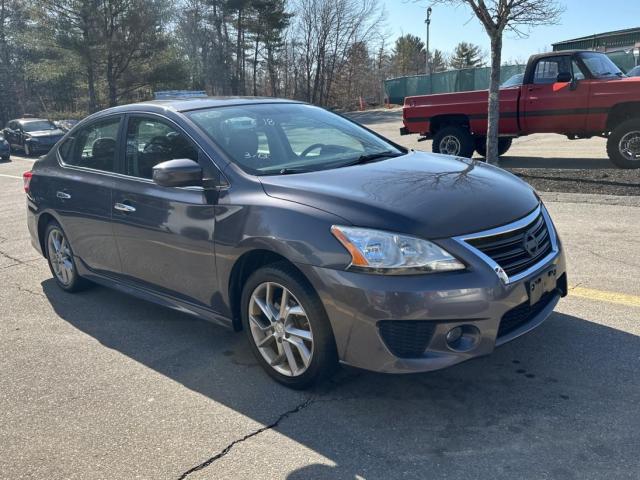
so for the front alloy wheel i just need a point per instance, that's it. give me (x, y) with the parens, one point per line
(27, 150)
(287, 326)
(280, 329)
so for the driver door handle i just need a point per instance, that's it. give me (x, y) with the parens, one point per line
(123, 207)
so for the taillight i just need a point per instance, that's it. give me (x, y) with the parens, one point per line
(26, 178)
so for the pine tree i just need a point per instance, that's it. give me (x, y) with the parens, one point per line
(467, 55)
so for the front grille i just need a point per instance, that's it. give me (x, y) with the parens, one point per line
(509, 249)
(523, 313)
(406, 338)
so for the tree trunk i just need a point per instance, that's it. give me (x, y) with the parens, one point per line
(111, 84)
(91, 87)
(493, 119)
(255, 68)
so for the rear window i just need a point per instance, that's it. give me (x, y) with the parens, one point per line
(38, 126)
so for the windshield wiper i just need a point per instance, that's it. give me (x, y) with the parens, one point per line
(371, 157)
(287, 171)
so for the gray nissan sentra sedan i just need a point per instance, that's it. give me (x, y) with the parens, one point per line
(322, 240)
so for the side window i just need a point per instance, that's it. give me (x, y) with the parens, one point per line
(547, 70)
(150, 142)
(94, 146)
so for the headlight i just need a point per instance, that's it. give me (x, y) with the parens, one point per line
(380, 252)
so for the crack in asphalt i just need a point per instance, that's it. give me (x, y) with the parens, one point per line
(228, 448)
(12, 258)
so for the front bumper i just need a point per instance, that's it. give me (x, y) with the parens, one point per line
(358, 305)
(41, 147)
(5, 150)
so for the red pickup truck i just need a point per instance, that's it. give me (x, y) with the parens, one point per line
(579, 94)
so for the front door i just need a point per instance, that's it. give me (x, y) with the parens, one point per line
(552, 106)
(164, 235)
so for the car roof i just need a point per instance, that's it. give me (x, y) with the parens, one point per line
(184, 104)
(29, 120)
(560, 53)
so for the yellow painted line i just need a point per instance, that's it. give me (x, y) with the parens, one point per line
(604, 296)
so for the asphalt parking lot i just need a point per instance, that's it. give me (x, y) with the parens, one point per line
(101, 385)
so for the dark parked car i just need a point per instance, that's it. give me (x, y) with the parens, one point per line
(634, 72)
(514, 81)
(5, 149)
(66, 125)
(33, 135)
(324, 241)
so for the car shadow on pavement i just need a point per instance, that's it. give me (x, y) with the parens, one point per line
(560, 402)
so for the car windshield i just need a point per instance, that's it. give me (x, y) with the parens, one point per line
(38, 126)
(514, 81)
(600, 65)
(267, 139)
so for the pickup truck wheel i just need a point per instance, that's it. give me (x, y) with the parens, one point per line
(623, 145)
(456, 141)
(504, 144)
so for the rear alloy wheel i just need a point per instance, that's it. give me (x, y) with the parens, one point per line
(287, 327)
(27, 150)
(504, 144)
(61, 261)
(454, 140)
(623, 145)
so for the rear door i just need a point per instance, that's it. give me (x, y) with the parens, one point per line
(552, 106)
(81, 193)
(164, 235)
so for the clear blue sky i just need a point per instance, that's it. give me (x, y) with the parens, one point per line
(450, 25)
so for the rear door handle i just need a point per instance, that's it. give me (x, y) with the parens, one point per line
(63, 195)
(123, 207)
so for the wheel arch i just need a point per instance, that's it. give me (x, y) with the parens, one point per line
(445, 120)
(43, 220)
(621, 113)
(242, 269)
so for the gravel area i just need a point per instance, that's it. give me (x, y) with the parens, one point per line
(605, 181)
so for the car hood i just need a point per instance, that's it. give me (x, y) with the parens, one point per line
(428, 195)
(46, 133)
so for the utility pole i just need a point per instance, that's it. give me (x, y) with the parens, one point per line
(428, 22)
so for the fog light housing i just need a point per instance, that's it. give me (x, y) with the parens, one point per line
(454, 335)
(463, 338)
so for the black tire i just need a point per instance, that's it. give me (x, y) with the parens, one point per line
(324, 358)
(615, 144)
(457, 140)
(6, 158)
(504, 144)
(75, 283)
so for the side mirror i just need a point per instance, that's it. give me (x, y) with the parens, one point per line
(564, 77)
(178, 173)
